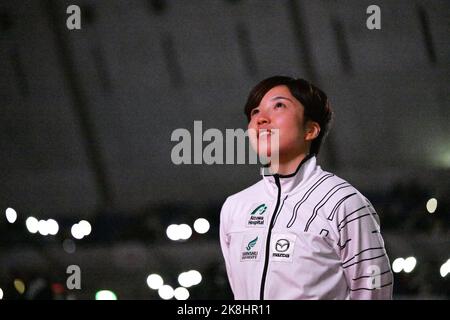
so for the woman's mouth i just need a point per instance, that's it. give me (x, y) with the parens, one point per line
(263, 132)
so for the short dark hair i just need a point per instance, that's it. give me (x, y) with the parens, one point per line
(314, 100)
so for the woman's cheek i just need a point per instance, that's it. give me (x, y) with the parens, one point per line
(252, 135)
(289, 141)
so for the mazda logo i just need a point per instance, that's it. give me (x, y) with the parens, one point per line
(282, 245)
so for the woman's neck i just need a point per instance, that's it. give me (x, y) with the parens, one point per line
(287, 166)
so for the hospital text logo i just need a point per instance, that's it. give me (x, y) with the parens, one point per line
(257, 217)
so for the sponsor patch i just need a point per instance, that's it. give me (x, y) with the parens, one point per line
(250, 247)
(282, 247)
(257, 216)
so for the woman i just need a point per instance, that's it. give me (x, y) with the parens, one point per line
(300, 232)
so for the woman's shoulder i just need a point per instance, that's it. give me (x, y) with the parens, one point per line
(334, 186)
(250, 192)
(238, 201)
(334, 180)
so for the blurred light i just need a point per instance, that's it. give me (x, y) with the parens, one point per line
(52, 226)
(196, 277)
(35, 286)
(32, 224)
(1, 294)
(201, 225)
(172, 232)
(43, 227)
(409, 264)
(178, 232)
(76, 231)
(85, 227)
(432, 205)
(181, 293)
(190, 278)
(397, 265)
(445, 269)
(57, 288)
(184, 231)
(441, 155)
(105, 295)
(183, 280)
(11, 215)
(69, 246)
(155, 281)
(166, 292)
(19, 285)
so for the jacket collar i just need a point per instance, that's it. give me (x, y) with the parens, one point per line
(289, 182)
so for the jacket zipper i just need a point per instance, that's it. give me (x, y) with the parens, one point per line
(266, 259)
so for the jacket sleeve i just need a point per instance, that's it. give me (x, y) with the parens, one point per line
(363, 255)
(225, 240)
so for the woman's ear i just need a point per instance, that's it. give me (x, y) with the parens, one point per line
(312, 130)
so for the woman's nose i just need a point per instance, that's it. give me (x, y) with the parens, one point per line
(262, 119)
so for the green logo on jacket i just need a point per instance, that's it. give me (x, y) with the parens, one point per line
(251, 244)
(259, 209)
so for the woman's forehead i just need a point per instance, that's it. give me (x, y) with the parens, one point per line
(280, 89)
(280, 92)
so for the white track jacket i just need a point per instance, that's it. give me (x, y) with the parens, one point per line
(308, 235)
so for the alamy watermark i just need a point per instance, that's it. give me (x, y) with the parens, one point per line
(374, 280)
(235, 146)
(73, 21)
(374, 20)
(74, 280)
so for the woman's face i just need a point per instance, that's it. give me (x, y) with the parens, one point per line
(279, 109)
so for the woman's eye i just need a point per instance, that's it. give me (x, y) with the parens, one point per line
(254, 111)
(279, 105)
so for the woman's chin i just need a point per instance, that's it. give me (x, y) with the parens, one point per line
(267, 155)
(263, 151)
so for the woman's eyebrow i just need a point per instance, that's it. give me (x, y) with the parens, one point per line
(281, 97)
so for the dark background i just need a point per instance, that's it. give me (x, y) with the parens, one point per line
(86, 118)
